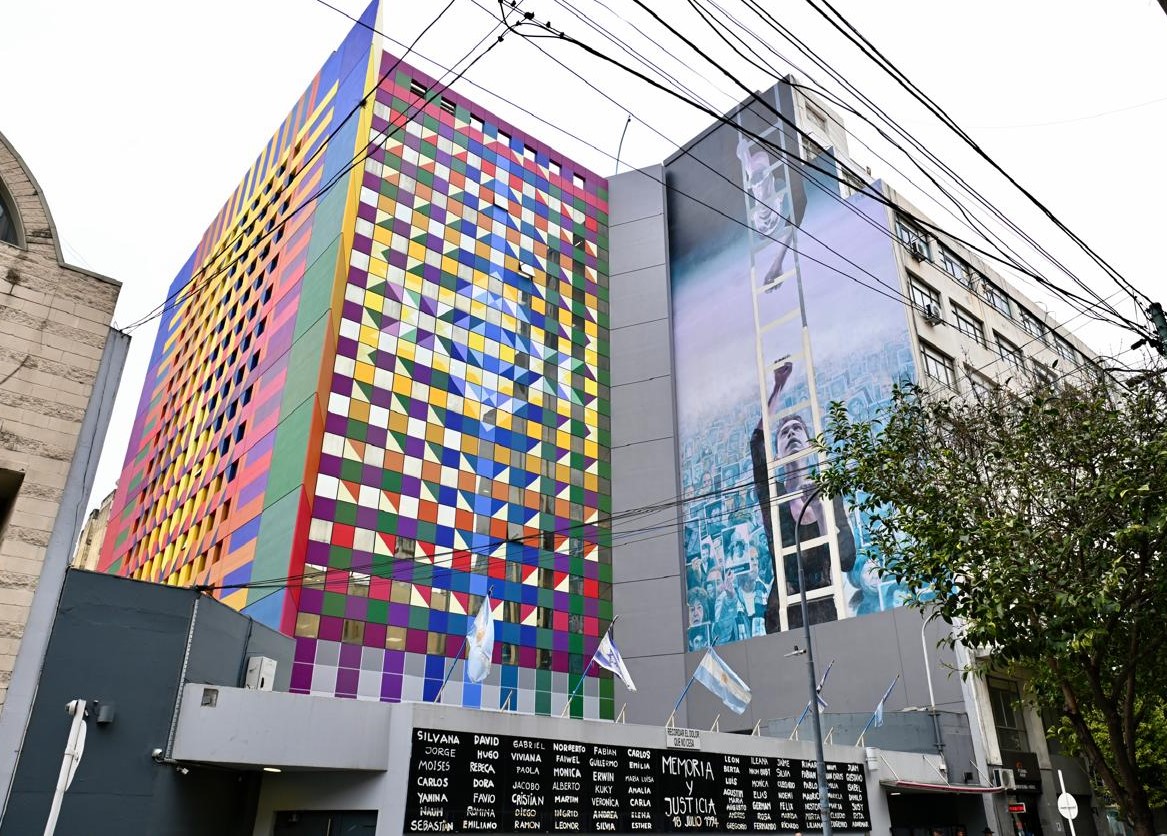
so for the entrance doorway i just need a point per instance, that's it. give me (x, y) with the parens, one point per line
(326, 823)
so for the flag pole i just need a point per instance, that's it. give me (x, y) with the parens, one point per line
(461, 650)
(583, 676)
(677, 704)
(880, 705)
(454, 664)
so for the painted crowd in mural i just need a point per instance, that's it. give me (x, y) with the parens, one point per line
(785, 299)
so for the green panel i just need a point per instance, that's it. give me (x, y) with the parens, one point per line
(378, 611)
(340, 557)
(316, 288)
(273, 546)
(419, 618)
(334, 604)
(543, 701)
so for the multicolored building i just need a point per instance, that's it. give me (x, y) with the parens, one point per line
(379, 392)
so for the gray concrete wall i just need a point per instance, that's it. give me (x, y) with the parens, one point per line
(123, 642)
(647, 583)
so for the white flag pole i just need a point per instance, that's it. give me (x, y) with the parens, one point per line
(583, 676)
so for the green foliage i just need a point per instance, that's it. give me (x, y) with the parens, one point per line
(1035, 522)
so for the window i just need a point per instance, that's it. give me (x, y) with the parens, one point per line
(996, 297)
(476, 122)
(1010, 353)
(577, 181)
(922, 295)
(1031, 324)
(938, 366)
(9, 233)
(1064, 349)
(954, 266)
(10, 481)
(817, 120)
(968, 324)
(554, 167)
(504, 138)
(912, 237)
(446, 105)
(418, 89)
(406, 547)
(1005, 699)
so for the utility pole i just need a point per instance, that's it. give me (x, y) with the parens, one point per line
(1159, 320)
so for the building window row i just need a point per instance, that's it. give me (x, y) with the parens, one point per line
(920, 245)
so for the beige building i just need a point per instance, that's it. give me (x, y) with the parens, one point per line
(92, 536)
(54, 333)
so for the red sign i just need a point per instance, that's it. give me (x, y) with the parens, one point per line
(1019, 807)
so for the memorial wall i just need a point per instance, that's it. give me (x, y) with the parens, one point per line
(464, 782)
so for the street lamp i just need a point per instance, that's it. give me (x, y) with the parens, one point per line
(820, 760)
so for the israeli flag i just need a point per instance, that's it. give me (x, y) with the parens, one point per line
(480, 643)
(608, 657)
(720, 679)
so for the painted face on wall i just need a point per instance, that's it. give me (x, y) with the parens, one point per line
(792, 436)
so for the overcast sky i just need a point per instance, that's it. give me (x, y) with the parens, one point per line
(138, 118)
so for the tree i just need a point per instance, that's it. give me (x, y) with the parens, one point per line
(1035, 520)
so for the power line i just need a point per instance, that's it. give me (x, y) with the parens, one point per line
(720, 117)
(974, 225)
(193, 287)
(848, 30)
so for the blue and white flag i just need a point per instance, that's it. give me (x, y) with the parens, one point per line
(607, 656)
(878, 716)
(480, 643)
(823, 681)
(719, 678)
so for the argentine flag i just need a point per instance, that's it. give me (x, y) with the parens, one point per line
(480, 643)
(608, 657)
(719, 678)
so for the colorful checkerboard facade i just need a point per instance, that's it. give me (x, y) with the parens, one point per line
(426, 421)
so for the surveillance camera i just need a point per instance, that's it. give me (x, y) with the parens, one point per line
(156, 754)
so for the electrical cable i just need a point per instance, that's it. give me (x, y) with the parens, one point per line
(271, 202)
(559, 35)
(969, 221)
(848, 30)
(374, 144)
(984, 231)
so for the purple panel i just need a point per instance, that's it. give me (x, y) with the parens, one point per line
(330, 465)
(391, 687)
(416, 641)
(301, 676)
(324, 509)
(394, 661)
(356, 608)
(346, 682)
(350, 655)
(312, 600)
(559, 641)
(375, 634)
(305, 650)
(377, 436)
(407, 528)
(399, 615)
(367, 517)
(331, 628)
(336, 424)
(367, 212)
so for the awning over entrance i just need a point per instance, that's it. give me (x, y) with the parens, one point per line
(949, 789)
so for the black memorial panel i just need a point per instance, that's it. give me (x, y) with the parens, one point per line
(462, 782)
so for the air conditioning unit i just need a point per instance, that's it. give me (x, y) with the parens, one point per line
(261, 673)
(919, 251)
(932, 314)
(1005, 778)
